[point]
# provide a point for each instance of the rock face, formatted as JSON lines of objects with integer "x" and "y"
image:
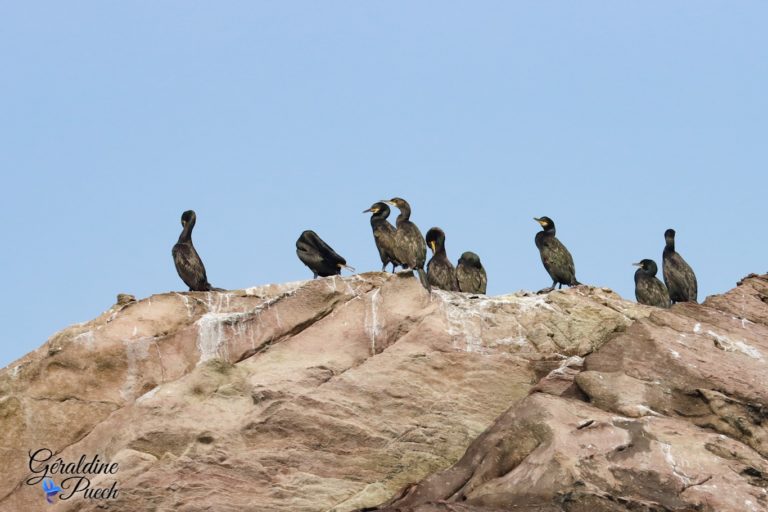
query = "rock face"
{"x": 675, "y": 418}
{"x": 340, "y": 393}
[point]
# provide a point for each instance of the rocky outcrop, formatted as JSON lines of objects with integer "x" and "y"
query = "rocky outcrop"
{"x": 674, "y": 418}
{"x": 337, "y": 394}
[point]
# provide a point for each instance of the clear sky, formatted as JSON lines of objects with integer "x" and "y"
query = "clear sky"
{"x": 616, "y": 119}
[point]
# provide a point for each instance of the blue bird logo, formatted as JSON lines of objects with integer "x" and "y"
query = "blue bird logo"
{"x": 51, "y": 489}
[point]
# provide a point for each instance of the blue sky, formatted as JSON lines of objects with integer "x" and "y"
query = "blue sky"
{"x": 616, "y": 119}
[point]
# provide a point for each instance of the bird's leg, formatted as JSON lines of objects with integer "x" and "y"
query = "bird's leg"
{"x": 559, "y": 286}
{"x": 384, "y": 267}
{"x": 314, "y": 276}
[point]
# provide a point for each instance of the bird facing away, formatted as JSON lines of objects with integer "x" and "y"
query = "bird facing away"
{"x": 188, "y": 263}
{"x": 410, "y": 247}
{"x": 318, "y": 255}
{"x": 648, "y": 289}
{"x": 470, "y": 274}
{"x": 383, "y": 234}
{"x": 678, "y": 275}
{"x": 440, "y": 271}
{"x": 556, "y": 259}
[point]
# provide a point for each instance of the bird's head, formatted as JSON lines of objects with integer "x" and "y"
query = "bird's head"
{"x": 435, "y": 237}
{"x": 470, "y": 258}
{"x": 187, "y": 217}
{"x": 648, "y": 266}
{"x": 377, "y": 207}
{"x": 545, "y": 222}
{"x": 398, "y": 202}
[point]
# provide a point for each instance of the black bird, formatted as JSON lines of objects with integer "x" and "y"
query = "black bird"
{"x": 410, "y": 247}
{"x": 678, "y": 275}
{"x": 471, "y": 274}
{"x": 318, "y": 255}
{"x": 383, "y": 234}
{"x": 556, "y": 259}
{"x": 440, "y": 271}
{"x": 648, "y": 289}
{"x": 188, "y": 263}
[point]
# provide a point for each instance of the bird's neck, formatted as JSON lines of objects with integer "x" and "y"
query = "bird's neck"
{"x": 378, "y": 218}
{"x": 405, "y": 215}
{"x": 186, "y": 233}
{"x": 670, "y": 247}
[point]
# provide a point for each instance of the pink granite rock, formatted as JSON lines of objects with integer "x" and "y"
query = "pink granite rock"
{"x": 337, "y": 393}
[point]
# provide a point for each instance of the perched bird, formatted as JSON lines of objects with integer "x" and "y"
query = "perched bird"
{"x": 440, "y": 271}
{"x": 648, "y": 289}
{"x": 678, "y": 275}
{"x": 318, "y": 256}
{"x": 188, "y": 263}
{"x": 471, "y": 274}
{"x": 556, "y": 259}
{"x": 410, "y": 247}
{"x": 383, "y": 234}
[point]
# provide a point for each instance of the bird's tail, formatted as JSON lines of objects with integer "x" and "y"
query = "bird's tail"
{"x": 423, "y": 279}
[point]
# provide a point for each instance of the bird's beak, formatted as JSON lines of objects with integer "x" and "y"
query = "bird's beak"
{"x": 541, "y": 222}
{"x": 389, "y": 203}
{"x": 342, "y": 265}
{"x": 368, "y": 210}
{"x": 432, "y": 244}
{"x": 637, "y": 264}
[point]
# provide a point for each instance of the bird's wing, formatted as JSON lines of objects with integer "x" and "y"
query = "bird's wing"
{"x": 690, "y": 280}
{"x": 384, "y": 237}
{"x": 411, "y": 246}
{"x": 327, "y": 252}
{"x": 310, "y": 257}
{"x": 471, "y": 280}
{"x": 442, "y": 276}
{"x": 660, "y": 292}
{"x": 568, "y": 259}
{"x": 483, "y": 280}
{"x": 189, "y": 266}
{"x": 561, "y": 259}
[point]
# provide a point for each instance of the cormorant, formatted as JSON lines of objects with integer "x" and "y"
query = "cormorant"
{"x": 383, "y": 234}
{"x": 678, "y": 275}
{"x": 318, "y": 256}
{"x": 648, "y": 289}
{"x": 440, "y": 271}
{"x": 556, "y": 259}
{"x": 410, "y": 247}
{"x": 188, "y": 263}
{"x": 471, "y": 274}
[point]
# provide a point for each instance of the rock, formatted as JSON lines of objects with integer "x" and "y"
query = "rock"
{"x": 673, "y": 418}
{"x": 339, "y": 394}
{"x": 330, "y": 394}
{"x": 124, "y": 299}
{"x": 558, "y": 454}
